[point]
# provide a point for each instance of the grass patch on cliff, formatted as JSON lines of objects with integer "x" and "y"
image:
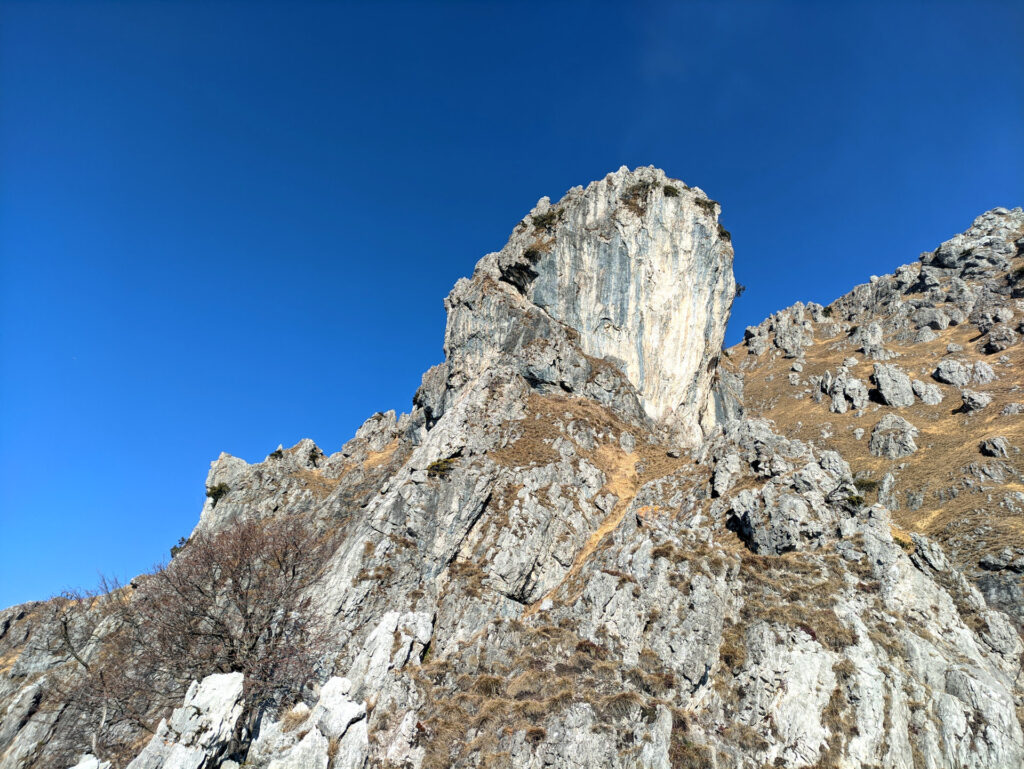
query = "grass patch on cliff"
{"x": 777, "y": 589}
{"x": 218, "y": 492}
{"x": 637, "y": 196}
{"x": 441, "y": 468}
{"x": 707, "y": 204}
{"x": 478, "y": 706}
{"x": 546, "y": 220}
{"x": 315, "y": 481}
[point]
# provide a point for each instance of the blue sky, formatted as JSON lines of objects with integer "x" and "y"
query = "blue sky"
{"x": 225, "y": 226}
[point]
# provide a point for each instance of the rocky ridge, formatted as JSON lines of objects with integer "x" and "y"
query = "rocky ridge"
{"x": 941, "y": 413}
{"x": 579, "y": 550}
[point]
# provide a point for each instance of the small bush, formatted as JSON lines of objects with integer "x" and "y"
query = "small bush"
{"x": 175, "y": 549}
{"x": 724, "y": 234}
{"x": 277, "y": 454}
{"x": 844, "y": 670}
{"x": 707, "y": 204}
{"x": 441, "y": 468}
{"x": 855, "y": 499}
{"x": 866, "y": 485}
{"x": 685, "y": 754}
{"x": 740, "y": 289}
{"x": 488, "y": 686}
{"x": 827, "y": 312}
{"x": 591, "y": 649}
{"x": 733, "y": 651}
{"x": 536, "y": 734}
{"x": 546, "y": 220}
{"x": 671, "y": 191}
{"x": 834, "y": 635}
{"x": 216, "y": 493}
{"x": 635, "y": 197}
{"x": 618, "y": 706}
{"x": 1018, "y": 274}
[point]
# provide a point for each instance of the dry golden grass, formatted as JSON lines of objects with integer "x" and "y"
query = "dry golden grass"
{"x": 777, "y": 588}
{"x": 466, "y": 715}
{"x": 378, "y": 458}
{"x": 531, "y": 438}
{"x": 315, "y": 481}
{"x": 293, "y": 719}
{"x": 948, "y": 438}
{"x": 7, "y": 661}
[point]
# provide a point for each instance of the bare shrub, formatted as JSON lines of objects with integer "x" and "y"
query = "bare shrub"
{"x": 231, "y": 601}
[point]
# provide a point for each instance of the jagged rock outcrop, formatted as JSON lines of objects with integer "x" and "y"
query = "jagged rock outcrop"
{"x": 197, "y": 734}
{"x": 893, "y": 437}
{"x": 846, "y": 391}
{"x": 637, "y": 265}
{"x": 581, "y": 548}
{"x": 894, "y": 386}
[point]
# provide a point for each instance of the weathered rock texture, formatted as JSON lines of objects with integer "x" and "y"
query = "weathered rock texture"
{"x": 636, "y": 264}
{"x": 532, "y": 573}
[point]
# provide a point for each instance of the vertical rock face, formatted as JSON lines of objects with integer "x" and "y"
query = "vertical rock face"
{"x": 638, "y": 266}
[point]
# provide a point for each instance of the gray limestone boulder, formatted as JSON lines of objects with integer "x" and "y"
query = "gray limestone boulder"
{"x": 844, "y": 390}
{"x": 995, "y": 447}
{"x": 982, "y": 373}
{"x": 893, "y": 437}
{"x": 871, "y": 340}
{"x": 792, "y": 335}
{"x": 756, "y": 340}
{"x": 332, "y": 733}
{"x": 930, "y": 317}
{"x": 727, "y": 470}
{"x": 928, "y": 393}
{"x": 894, "y": 387}
{"x": 1000, "y": 337}
{"x": 953, "y": 372}
{"x": 975, "y": 401}
{"x": 856, "y": 392}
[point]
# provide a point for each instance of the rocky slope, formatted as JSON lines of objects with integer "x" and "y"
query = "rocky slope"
{"x": 915, "y": 378}
{"x": 578, "y": 550}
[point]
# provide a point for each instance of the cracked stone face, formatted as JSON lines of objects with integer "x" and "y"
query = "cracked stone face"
{"x": 639, "y": 267}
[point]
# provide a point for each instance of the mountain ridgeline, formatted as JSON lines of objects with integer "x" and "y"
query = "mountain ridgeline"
{"x": 598, "y": 539}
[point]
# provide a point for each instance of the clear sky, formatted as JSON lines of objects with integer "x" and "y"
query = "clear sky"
{"x": 225, "y": 226}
